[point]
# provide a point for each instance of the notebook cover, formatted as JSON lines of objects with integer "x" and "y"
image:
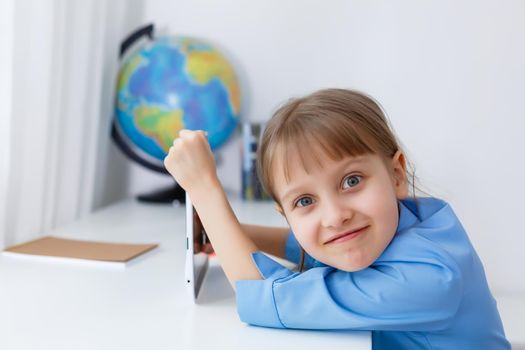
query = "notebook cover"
{"x": 79, "y": 249}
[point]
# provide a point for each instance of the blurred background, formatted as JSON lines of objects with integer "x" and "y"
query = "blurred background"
{"x": 450, "y": 76}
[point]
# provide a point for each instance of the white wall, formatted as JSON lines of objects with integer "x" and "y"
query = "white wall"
{"x": 449, "y": 74}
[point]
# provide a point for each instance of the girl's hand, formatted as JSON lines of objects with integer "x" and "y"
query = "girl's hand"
{"x": 190, "y": 161}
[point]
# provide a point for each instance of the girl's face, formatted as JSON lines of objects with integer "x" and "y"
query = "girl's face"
{"x": 344, "y": 213}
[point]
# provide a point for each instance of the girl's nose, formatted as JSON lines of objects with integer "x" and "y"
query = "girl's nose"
{"x": 335, "y": 214}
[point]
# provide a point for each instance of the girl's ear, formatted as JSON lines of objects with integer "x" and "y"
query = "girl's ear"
{"x": 399, "y": 168}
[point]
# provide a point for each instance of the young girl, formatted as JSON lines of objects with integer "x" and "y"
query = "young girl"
{"x": 376, "y": 259}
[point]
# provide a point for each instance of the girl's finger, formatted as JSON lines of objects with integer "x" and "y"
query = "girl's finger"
{"x": 184, "y": 132}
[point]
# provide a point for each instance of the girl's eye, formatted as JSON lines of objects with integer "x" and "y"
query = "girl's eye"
{"x": 304, "y": 202}
{"x": 351, "y": 181}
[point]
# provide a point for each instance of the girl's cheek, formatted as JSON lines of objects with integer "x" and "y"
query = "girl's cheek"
{"x": 305, "y": 234}
{"x": 296, "y": 228}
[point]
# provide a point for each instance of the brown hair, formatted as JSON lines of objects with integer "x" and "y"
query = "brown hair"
{"x": 340, "y": 122}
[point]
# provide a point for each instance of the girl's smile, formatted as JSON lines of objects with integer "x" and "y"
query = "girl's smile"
{"x": 346, "y": 236}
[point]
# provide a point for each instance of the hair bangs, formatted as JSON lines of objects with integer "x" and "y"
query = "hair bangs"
{"x": 312, "y": 140}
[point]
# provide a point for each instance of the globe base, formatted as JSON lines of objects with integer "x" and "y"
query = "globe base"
{"x": 165, "y": 196}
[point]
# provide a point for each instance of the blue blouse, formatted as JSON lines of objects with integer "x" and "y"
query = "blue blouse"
{"x": 427, "y": 290}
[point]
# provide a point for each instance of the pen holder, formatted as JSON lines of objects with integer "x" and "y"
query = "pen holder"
{"x": 251, "y": 186}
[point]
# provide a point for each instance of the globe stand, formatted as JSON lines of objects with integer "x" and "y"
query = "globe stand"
{"x": 166, "y": 195}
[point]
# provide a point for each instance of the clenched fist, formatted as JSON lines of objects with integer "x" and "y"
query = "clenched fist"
{"x": 190, "y": 161}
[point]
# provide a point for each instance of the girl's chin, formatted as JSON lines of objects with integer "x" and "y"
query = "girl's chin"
{"x": 353, "y": 268}
{"x": 348, "y": 261}
{"x": 354, "y": 265}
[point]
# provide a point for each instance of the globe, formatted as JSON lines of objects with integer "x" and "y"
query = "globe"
{"x": 174, "y": 83}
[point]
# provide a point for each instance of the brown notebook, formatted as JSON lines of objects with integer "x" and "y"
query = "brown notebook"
{"x": 49, "y": 246}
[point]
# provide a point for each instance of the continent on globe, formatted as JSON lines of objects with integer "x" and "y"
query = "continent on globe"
{"x": 159, "y": 125}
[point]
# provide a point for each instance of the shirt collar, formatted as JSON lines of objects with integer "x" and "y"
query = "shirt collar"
{"x": 407, "y": 214}
{"x": 418, "y": 210}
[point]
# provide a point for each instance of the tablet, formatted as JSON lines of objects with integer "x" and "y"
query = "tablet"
{"x": 196, "y": 261}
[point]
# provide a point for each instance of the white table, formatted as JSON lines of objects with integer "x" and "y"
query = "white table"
{"x": 53, "y": 305}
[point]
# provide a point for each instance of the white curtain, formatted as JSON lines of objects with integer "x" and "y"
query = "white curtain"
{"x": 6, "y": 62}
{"x": 54, "y": 141}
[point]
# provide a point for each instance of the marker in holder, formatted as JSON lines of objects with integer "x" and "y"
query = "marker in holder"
{"x": 251, "y": 186}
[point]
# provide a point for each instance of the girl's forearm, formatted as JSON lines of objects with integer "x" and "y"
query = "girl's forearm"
{"x": 232, "y": 246}
{"x": 271, "y": 240}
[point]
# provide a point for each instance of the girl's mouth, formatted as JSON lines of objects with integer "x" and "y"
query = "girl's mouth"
{"x": 347, "y": 236}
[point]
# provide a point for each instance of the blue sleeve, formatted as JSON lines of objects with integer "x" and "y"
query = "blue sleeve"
{"x": 293, "y": 252}
{"x": 417, "y": 294}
